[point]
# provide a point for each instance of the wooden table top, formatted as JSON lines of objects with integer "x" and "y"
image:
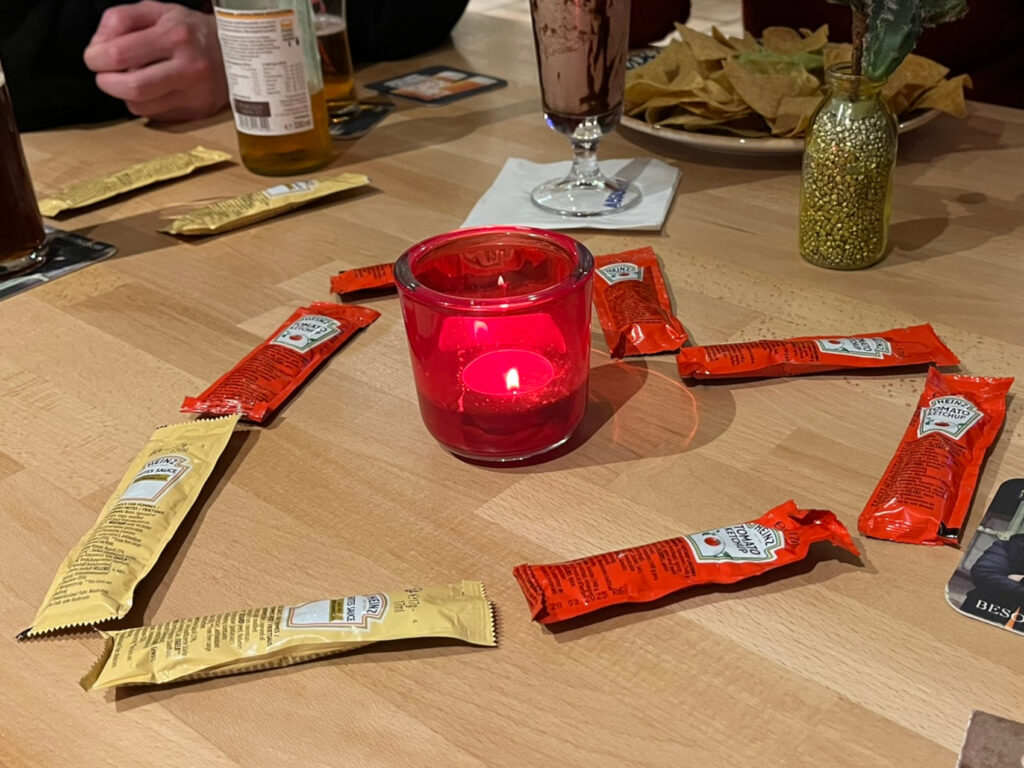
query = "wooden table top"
{"x": 832, "y": 664}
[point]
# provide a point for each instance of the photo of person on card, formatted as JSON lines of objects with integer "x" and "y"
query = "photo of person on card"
{"x": 998, "y": 578}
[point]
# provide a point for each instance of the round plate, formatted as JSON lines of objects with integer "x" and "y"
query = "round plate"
{"x": 737, "y": 145}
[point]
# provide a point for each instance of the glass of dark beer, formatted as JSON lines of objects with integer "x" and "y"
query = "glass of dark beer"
{"x": 22, "y": 240}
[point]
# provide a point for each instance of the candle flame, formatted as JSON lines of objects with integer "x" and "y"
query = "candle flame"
{"x": 501, "y": 280}
{"x": 481, "y": 333}
{"x": 512, "y": 380}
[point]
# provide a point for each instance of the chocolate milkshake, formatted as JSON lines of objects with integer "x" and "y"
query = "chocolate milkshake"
{"x": 581, "y": 54}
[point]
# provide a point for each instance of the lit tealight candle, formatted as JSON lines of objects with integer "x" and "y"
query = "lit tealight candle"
{"x": 508, "y": 372}
{"x": 498, "y": 321}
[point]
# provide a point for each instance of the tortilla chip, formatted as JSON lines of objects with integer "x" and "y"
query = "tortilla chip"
{"x": 721, "y": 79}
{"x": 727, "y": 84}
{"x": 747, "y": 43}
{"x": 721, "y": 37}
{"x": 767, "y": 62}
{"x": 658, "y": 109}
{"x": 675, "y": 58}
{"x": 720, "y": 97}
{"x": 750, "y": 125}
{"x": 794, "y": 116}
{"x": 738, "y": 44}
{"x": 765, "y": 92}
{"x": 788, "y": 42}
{"x": 699, "y": 106}
{"x": 655, "y": 113}
{"x": 704, "y": 47}
{"x": 837, "y": 53}
{"x": 947, "y": 96}
{"x": 639, "y": 92}
{"x": 911, "y": 79}
{"x": 917, "y": 69}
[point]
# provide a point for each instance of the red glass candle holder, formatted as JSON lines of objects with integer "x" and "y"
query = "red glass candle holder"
{"x": 498, "y": 320}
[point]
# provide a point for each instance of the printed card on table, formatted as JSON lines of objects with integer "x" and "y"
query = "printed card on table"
{"x": 435, "y": 86}
{"x": 988, "y": 584}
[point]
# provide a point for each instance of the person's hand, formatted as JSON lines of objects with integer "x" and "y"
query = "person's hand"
{"x": 1018, "y": 577}
{"x": 162, "y": 59}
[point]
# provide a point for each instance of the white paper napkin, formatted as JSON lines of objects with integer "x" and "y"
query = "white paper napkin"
{"x": 508, "y": 200}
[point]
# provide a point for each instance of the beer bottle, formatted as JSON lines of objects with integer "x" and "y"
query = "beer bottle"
{"x": 276, "y": 87}
{"x": 22, "y": 239}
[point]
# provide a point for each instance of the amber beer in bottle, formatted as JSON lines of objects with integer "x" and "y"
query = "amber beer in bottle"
{"x": 277, "y": 91}
{"x": 22, "y": 240}
{"x": 335, "y": 54}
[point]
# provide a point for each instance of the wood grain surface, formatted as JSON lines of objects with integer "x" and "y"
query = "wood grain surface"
{"x": 836, "y": 662}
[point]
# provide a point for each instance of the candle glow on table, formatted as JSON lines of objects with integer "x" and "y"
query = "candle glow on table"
{"x": 498, "y": 321}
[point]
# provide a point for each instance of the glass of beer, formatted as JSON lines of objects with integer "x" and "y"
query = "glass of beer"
{"x": 335, "y": 53}
{"x": 22, "y": 240}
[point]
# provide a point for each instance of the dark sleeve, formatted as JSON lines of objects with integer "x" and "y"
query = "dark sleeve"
{"x": 382, "y": 30}
{"x": 993, "y": 568}
{"x": 41, "y": 46}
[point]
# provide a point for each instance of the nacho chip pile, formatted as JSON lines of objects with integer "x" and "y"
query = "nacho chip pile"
{"x": 769, "y": 87}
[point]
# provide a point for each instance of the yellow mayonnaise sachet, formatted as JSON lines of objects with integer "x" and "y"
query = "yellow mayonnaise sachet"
{"x": 246, "y": 209}
{"x": 265, "y": 638}
{"x": 133, "y": 177}
{"x": 96, "y": 581}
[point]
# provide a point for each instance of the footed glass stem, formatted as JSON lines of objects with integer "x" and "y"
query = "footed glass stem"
{"x": 586, "y": 191}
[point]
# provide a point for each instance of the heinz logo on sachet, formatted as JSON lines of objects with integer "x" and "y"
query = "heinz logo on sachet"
{"x": 155, "y": 477}
{"x": 616, "y": 273}
{"x": 737, "y": 542}
{"x": 306, "y": 333}
{"x": 951, "y": 416}
{"x": 875, "y": 347}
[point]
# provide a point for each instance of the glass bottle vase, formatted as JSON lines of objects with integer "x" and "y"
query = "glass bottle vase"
{"x": 846, "y": 184}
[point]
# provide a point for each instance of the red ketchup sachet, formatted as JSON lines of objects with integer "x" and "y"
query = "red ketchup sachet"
{"x": 779, "y": 537}
{"x": 263, "y": 379}
{"x": 926, "y": 491}
{"x": 916, "y": 345}
{"x": 379, "y": 277}
{"x": 633, "y": 304}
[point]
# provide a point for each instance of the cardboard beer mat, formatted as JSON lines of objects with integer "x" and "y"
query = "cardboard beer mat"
{"x": 992, "y": 742}
{"x": 435, "y": 86}
{"x": 988, "y": 584}
{"x": 66, "y": 252}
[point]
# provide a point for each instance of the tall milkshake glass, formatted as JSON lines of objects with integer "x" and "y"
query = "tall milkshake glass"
{"x": 581, "y": 54}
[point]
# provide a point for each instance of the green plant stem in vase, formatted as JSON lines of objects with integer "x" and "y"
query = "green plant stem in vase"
{"x": 850, "y": 150}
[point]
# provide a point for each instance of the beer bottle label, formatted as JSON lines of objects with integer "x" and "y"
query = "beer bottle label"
{"x": 266, "y": 71}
